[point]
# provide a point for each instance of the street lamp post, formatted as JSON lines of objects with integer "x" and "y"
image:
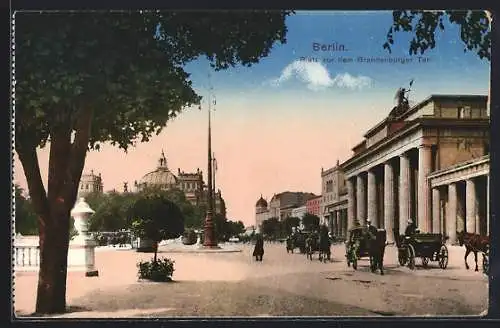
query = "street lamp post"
{"x": 210, "y": 240}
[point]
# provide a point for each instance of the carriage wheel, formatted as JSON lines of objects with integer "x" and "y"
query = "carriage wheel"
{"x": 411, "y": 257}
{"x": 443, "y": 257}
{"x": 402, "y": 257}
{"x": 425, "y": 261}
{"x": 486, "y": 265}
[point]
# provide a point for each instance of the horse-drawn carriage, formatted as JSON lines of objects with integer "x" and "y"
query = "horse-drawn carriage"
{"x": 427, "y": 246}
{"x": 296, "y": 240}
{"x": 363, "y": 244}
{"x": 318, "y": 243}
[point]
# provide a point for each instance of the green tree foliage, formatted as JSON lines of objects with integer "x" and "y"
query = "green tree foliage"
{"x": 26, "y": 222}
{"x": 220, "y": 224}
{"x": 271, "y": 227}
{"x": 474, "y": 26}
{"x": 156, "y": 218}
{"x": 289, "y": 223}
{"x": 194, "y": 216}
{"x": 311, "y": 222}
{"x": 236, "y": 228}
{"x": 83, "y": 79}
{"x": 110, "y": 211}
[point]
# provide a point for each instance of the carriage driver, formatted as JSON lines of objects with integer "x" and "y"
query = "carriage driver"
{"x": 372, "y": 231}
{"x": 411, "y": 228}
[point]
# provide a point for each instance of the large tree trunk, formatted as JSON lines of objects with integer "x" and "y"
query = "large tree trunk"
{"x": 54, "y": 241}
{"x": 66, "y": 162}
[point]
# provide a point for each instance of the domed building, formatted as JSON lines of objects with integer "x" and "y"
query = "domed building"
{"x": 262, "y": 212}
{"x": 191, "y": 183}
{"x": 89, "y": 183}
{"x": 160, "y": 178}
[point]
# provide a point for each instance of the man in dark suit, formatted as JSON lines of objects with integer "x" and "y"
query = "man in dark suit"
{"x": 411, "y": 228}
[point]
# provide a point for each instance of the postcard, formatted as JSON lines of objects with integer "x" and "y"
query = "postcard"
{"x": 251, "y": 164}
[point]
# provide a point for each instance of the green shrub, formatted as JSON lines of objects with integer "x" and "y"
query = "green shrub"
{"x": 159, "y": 270}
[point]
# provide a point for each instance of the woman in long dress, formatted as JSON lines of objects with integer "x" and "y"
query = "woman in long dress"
{"x": 258, "y": 250}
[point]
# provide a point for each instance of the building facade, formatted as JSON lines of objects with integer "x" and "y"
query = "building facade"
{"x": 90, "y": 183}
{"x": 190, "y": 183}
{"x": 280, "y": 206}
{"x": 262, "y": 213}
{"x": 300, "y": 212}
{"x": 334, "y": 200}
{"x": 426, "y": 163}
{"x": 313, "y": 206}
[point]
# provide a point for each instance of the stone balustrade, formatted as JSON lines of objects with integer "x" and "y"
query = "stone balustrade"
{"x": 26, "y": 254}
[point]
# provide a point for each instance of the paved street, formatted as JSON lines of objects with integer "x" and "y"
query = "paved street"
{"x": 232, "y": 284}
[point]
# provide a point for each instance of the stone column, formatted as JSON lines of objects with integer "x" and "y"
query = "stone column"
{"x": 389, "y": 201}
{"x": 470, "y": 206}
{"x": 337, "y": 223}
{"x": 372, "y": 198}
{"x": 404, "y": 192}
{"x": 436, "y": 211}
{"x": 341, "y": 223}
{"x": 488, "y": 204}
{"x": 360, "y": 200}
{"x": 351, "y": 201}
{"x": 451, "y": 214}
{"x": 423, "y": 200}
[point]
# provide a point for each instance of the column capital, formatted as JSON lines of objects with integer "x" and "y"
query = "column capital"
{"x": 425, "y": 145}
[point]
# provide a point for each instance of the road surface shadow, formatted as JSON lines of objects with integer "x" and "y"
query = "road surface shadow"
{"x": 69, "y": 309}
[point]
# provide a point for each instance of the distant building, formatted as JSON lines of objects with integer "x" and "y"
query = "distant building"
{"x": 300, "y": 212}
{"x": 262, "y": 213}
{"x": 313, "y": 206}
{"x": 90, "y": 183}
{"x": 280, "y": 206}
{"x": 334, "y": 200}
{"x": 191, "y": 183}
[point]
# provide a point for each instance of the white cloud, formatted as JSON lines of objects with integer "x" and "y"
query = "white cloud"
{"x": 317, "y": 77}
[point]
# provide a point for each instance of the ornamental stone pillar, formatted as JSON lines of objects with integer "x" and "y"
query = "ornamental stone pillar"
{"x": 81, "y": 252}
{"x": 389, "y": 201}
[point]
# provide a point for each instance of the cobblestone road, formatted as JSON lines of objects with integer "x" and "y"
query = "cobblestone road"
{"x": 232, "y": 284}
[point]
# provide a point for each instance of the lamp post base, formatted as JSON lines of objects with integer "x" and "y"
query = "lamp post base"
{"x": 209, "y": 233}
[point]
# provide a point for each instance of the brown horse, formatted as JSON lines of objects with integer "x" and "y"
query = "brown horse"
{"x": 473, "y": 243}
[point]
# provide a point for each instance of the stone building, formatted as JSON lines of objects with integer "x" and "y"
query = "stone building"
{"x": 280, "y": 206}
{"x": 90, "y": 183}
{"x": 428, "y": 162}
{"x": 334, "y": 200}
{"x": 191, "y": 183}
{"x": 300, "y": 212}
{"x": 313, "y": 206}
{"x": 261, "y": 212}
